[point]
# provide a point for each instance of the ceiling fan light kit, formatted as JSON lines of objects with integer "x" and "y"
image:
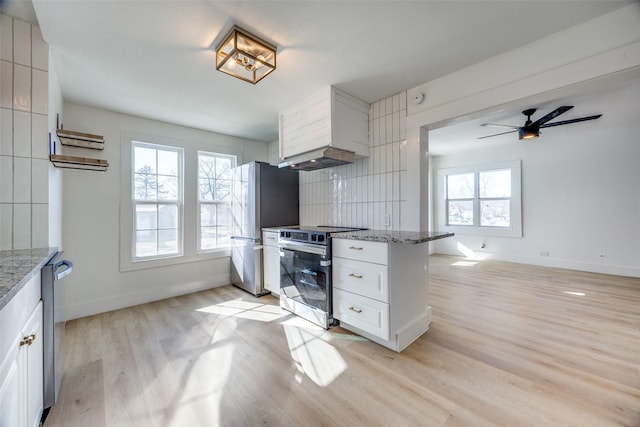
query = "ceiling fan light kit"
{"x": 245, "y": 56}
{"x": 531, "y": 130}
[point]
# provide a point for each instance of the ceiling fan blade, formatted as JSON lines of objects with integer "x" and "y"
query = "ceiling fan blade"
{"x": 566, "y": 122}
{"x": 498, "y": 125}
{"x": 496, "y": 134}
{"x": 552, "y": 115}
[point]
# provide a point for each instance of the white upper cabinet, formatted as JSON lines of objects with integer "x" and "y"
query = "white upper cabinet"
{"x": 330, "y": 118}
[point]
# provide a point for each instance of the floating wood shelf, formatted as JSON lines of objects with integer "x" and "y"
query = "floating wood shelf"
{"x": 83, "y": 163}
{"x": 79, "y": 139}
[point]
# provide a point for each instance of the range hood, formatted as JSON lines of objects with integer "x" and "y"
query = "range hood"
{"x": 326, "y": 157}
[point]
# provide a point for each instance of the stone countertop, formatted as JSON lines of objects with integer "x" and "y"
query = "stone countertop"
{"x": 411, "y": 237}
{"x": 17, "y": 267}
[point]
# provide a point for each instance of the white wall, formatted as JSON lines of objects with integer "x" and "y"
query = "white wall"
{"x": 580, "y": 197}
{"x": 91, "y": 218}
{"x": 55, "y": 175}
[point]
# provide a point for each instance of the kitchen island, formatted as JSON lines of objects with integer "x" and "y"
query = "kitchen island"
{"x": 380, "y": 284}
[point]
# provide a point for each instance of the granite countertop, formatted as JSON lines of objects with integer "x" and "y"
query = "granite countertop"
{"x": 17, "y": 267}
{"x": 411, "y": 237}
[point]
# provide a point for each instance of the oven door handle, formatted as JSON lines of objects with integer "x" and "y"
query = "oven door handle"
{"x": 303, "y": 247}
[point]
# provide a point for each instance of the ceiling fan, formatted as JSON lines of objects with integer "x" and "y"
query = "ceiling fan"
{"x": 531, "y": 130}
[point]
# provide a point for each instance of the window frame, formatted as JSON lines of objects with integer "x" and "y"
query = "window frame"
{"x": 200, "y": 202}
{"x": 515, "y": 208}
{"x": 179, "y": 202}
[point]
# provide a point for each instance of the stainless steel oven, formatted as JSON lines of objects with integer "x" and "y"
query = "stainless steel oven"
{"x": 305, "y": 273}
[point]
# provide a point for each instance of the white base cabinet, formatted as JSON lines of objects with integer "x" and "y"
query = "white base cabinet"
{"x": 271, "y": 261}
{"x": 21, "y": 358}
{"x": 380, "y": 290}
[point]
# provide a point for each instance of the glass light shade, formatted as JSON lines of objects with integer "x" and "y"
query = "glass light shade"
{"x": 245, "y": 56}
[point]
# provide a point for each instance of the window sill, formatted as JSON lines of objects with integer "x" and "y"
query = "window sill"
{"x": 176, "y": 260}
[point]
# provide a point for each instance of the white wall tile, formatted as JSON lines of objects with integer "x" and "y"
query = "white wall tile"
{"x": 382, "y": 109}
{"x": 6, "y": 38}
{"x": 40, "y": 95}
{"x": 6, "y": 225}
{"x": 21, "y": 42}
{"x": 403, "y": 101}
{"x": 403, "y": 185}
{"x": 396, "y": 102}
{"x": 396, "y": 156}
{"x": 21, "y": 88}
{"x": 40, "y": 225}
{"x": 403, "y": 155}
{"x": 6, "y": 84}
{"x": 396, "y": 126}
{"x": 403, "y": 125}
{"x": 22, "y": 226}
{"x": 21, "y": 180}
{"x": 388, "y": 128}
{"x": 389, "y": 149}
{"x": 6, "y": 132}
{"x": 389, "y": 105}
{"x": 404, "y": 215}
{"x": 395, "y": 216}
{"x": 39, "y": 50}
{"x": 6, "y": 179}
{"x": 39, "y": 181}
{"x": 388, "y": 177}
{"x": 39, "y": 136}
{"x": 21, "y": 134}
{"x": 396, "y": 186}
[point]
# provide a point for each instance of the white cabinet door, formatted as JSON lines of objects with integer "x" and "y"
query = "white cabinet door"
{"x": 11, "y": 414}
{"x": 33, "y": 367}
{"x": 271, "y": 261}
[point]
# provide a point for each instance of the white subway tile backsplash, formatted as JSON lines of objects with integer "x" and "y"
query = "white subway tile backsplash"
{"x": 396, "y": 186}
{"x": 6, "y": 84}
{"x": 389, "y": 149}
{"x": 6, "y": 38}
{"x": 39, "y": 136}
{"x": 403, "y": 126}
{"x": 39, "y": 181}
{"x": 6, "y": 179}
{"x": 6, "y": 132}
{"x": 21, "y": 134}
{"x": 388, "y": 177}
{"x": 6, "y": 226}
{"x": 39, "y": 50}
{"x": 403, "y": 101}
{"x": 396, "y": 156}
{"x": 403, "y": 155}
{"x": 389, "y": 128}
{"x": 21, "y": 180}
{"x": 403, "y": 185}
{"x": 21, "y": 226}
{"x": 21, "y": 42}
{"x": 382, "y": 108}
{"x": 39, "y": 225}
{"x": 21, "y": 88}
{"x": 396, "y": 126}
{"x": 396, "y": 102}
{"x": 389, "y": 105}
{"x": 40, "y": 95}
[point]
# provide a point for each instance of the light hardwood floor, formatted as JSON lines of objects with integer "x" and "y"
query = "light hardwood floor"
{"x": 509, "y": 345}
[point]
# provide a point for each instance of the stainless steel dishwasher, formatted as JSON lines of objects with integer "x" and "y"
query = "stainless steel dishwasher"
{"x": 53, "y": 323}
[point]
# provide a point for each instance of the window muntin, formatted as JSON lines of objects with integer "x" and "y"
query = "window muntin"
{"x": 479, "y": 199}
{"x": 157, "y": 201}
{"x": 214, "y": 199}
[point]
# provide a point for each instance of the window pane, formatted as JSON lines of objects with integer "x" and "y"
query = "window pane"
{"x": 167, "y": 241}
{"x": 460, "y": 212}
{"x": 146, "y": 243}
{"x": 146, "y": 217}
{"x": 495, "y": 183}
{"x": 145, "y": 186}
{"x": 208, "y": 240}
{"x": 223, "y": 190}
{"x": 223, "y": 168}
{"x": 167, "y": 187}
{"x": 144, "y": 160}
{"x": 495, "y": 213}
{"x": 460, "y": 186}
{"x": 168, "y": 216}
{"x": 208, "y": 215}
{"x": 168, "y": 162}
{"x": 224, "y": 215}
{"x": 206, "y": 189}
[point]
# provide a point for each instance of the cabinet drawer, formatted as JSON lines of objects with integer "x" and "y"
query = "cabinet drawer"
{"x": 360, "y": 250}
{"x": 270, "y": 238}
{"x": 361, "y": 312}
{"x": 363, "y": 278}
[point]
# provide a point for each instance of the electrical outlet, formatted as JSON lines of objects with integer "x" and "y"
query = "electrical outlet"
{"x": 544, "y": 253}
{"x": 387, "y": 220}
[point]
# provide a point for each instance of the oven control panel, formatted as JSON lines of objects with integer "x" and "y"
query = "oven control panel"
{"x": 318, "y": 238}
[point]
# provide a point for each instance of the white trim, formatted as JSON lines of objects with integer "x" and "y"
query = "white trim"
{"x": 516, "y": 201}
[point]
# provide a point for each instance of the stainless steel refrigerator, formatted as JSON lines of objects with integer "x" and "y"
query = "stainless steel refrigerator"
{"x": 262, "y": 196}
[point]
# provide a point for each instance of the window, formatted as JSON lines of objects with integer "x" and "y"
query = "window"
{"x": 214, "y": 198}
{"x": 485, "y": 199}
{"x": 157, "y": 201}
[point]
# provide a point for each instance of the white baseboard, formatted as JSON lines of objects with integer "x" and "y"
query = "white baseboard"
{"x": 102, "y": 305}
{"x": 616, "y": 270}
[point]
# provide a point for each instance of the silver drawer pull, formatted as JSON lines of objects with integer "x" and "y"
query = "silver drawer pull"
{"x": 355, "y": 248}
{"x": 357, "y": 276}
{"x": 357, "y": 310}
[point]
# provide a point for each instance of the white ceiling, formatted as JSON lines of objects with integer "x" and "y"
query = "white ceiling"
{"x": 155, "y": 59}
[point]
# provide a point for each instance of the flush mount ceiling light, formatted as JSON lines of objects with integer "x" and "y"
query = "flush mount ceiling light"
{"x": 245, "y": 56}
